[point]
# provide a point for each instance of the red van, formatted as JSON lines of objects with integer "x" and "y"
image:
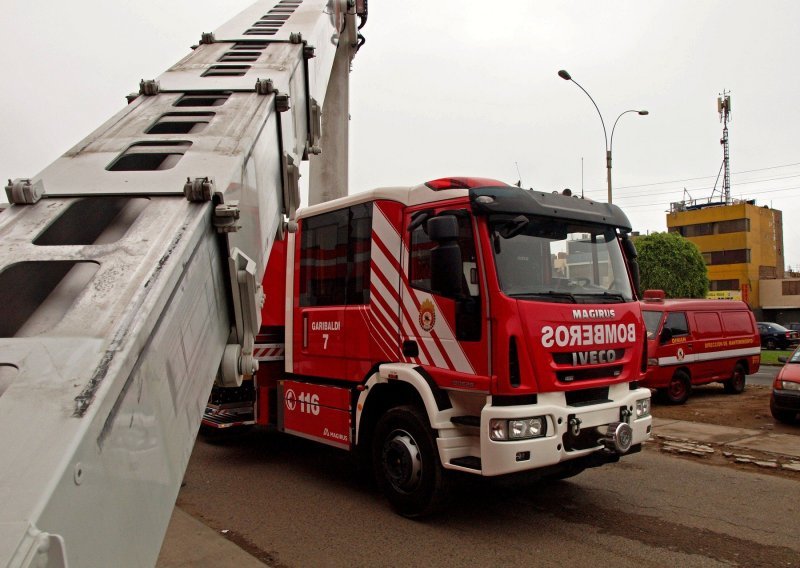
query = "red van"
{"x": 694, "y": 342}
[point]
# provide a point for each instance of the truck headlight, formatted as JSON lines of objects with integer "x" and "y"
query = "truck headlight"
{"x": 643, "y": 408}
{"x": 501, "y": 430}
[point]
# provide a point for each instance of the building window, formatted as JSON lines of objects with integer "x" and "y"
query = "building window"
{"x": 733, "y": 226}
{"x": 718, "y": 285}
{"x": 767, "y": 272}
{"x": 790, "y": 287}
{"x": 335, "y": 257}
{"x": 715, "y": 228}
{"x": 738, "y": 256}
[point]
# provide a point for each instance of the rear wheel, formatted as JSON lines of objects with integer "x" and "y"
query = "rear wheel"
{"x": 677, "y": 392}
{"x": 406, "y": 462}
{"x": 735, "y": 385}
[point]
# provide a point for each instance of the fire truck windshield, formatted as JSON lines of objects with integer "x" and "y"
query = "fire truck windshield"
{"x": 557, "y": 260}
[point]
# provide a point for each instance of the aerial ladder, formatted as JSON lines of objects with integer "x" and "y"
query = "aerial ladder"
{"x": 131, "y": 271}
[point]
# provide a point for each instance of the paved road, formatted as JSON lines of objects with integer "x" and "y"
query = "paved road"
{"x": 294, "y": 503}
{"x": 765, "y": 376}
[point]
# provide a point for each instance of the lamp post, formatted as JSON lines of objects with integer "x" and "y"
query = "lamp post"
{"x": 608, "y": 144}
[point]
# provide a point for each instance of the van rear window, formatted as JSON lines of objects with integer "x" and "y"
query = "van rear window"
{"x": 737, "y": 323}
{"x": 707, "y": 325}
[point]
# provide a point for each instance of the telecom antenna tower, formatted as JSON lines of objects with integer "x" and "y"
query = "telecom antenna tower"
{"x": 724, "y": 109}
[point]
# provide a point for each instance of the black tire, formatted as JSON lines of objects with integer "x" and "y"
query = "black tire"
{"x": 736, "y": 384}
{"x": 785, "y": 416}
{"x": 770, "y": 344}
{"x": 677, "y": 392}
{"x": 406, "y": 462}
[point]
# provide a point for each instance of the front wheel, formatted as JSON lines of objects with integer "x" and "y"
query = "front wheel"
{"x": 406, "y": 462}
{"x": 735, "y": 385}
{"x": 677, "y": 392}
{"x": 771, "y": 344}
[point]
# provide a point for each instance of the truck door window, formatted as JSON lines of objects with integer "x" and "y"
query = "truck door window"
{"x": 335, "y": 257}
{"x": 676, "y": 323}
{"x": 651, "y": 321}
{"x": 420, "y": 260}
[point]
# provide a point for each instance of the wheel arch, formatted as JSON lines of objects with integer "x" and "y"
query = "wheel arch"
{"x": 744, "y": 363}
{"x": 683, "y": 368}
{"x": 393, "y": 385}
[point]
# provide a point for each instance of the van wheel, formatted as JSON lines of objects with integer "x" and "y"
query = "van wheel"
{"x": 406, "y": 462}
{"x": 677, "y": 392}
{"x": 735, "y": 385}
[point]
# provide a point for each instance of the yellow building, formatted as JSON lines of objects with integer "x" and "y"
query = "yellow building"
{"x": 741, "y": 244}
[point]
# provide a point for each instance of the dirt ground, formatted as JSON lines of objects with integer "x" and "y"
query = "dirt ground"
{"x": 710, "y": 404}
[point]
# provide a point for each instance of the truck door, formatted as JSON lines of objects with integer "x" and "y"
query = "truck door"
{"x": 332, "y": 294}
{"x": 680, "y": 344}
{"x": 445, "y": 330}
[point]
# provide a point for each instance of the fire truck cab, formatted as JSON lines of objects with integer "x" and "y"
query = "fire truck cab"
{"x": 462, "y": 324}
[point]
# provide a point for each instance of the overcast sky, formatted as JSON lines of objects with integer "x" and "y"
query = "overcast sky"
{"x": 452, "y": 87}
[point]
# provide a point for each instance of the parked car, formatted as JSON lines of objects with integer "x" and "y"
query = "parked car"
{"x": 775, "y": 336}
{"x": 784, "y": 403}
{"x": 696, "y": 342}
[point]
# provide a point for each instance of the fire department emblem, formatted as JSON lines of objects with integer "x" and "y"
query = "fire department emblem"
{"x": 427, "y": 315}
{"x": 680, "y": 354}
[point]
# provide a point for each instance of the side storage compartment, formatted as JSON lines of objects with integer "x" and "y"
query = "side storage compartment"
{"x": 317, "y": 412}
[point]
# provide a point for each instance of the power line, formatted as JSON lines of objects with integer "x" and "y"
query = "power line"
{"x": 705, "y": 188}
{"x": 667, "y": 204}
{"x": 707, "y": 177}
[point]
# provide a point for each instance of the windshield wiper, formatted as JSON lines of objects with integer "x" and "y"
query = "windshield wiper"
{"x": 606, "y": 296}
{"x": 558, "y": 296}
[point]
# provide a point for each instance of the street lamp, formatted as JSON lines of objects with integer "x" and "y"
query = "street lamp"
{"x": 567, "y": 77}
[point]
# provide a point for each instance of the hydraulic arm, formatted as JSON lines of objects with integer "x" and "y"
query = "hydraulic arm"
{"x": 130, "y": 270}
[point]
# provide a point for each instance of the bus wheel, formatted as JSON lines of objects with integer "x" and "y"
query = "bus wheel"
{"x": 735, "y": 385}
{"x": 406, "y": 462}
{"x": 677, "y": 392}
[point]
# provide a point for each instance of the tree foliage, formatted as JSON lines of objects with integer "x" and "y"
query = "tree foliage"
{"x": 669, "y": 262}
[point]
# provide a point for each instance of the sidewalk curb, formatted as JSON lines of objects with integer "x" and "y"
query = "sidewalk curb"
{"x": 775, "y": 451}
{"x": 190, "y": 543}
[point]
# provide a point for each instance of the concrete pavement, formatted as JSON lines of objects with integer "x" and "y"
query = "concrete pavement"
{"x": 737, "y": 444}
{"x": 191, "y": 543}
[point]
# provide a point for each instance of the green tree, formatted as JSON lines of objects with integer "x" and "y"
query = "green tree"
{"x": 669, "y": 262}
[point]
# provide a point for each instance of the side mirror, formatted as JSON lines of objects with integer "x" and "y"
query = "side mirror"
{"x": 782, "y": 359}
{"x": 666, "y": 335}
{"x": 446, "y": 268}
{"x": 443, "y": 228}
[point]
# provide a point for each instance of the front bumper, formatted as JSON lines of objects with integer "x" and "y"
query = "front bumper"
{"x": 786, "y": 400}
{"x": 560, "y": 444}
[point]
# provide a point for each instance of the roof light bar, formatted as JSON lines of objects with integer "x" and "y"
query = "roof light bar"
{"x": 463, "y": 183}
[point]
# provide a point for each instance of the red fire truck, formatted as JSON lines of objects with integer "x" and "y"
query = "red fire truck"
{"x": 462, "y": 324}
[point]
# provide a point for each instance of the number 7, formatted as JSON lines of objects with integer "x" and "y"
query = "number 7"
{"x": 325, "y": 340}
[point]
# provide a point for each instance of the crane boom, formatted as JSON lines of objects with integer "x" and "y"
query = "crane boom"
{"x": 131, "y": 271}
